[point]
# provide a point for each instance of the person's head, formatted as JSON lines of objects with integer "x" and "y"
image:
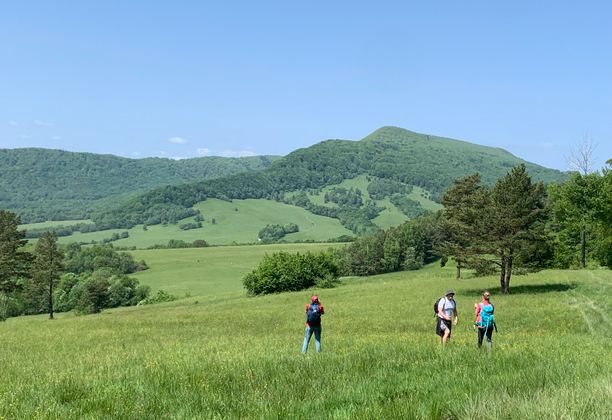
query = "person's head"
{"x": 450, "y": 294}
{"x": 314, "y": 299}
{"x": 486, "y": 295}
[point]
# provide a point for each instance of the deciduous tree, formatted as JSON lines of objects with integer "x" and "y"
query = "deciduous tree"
{"x": 575, "y": 205}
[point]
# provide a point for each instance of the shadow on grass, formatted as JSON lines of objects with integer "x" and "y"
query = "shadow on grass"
{"x": 526, "y": 289}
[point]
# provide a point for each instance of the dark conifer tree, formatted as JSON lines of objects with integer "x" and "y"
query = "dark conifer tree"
{"x": 46, "y": 268}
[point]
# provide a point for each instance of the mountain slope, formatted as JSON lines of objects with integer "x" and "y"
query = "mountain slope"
{"x": 43, "y": 184}
{"x": 389, "y": 153}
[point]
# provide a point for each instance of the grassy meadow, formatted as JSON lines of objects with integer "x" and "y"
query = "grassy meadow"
{"x": 51, "y": 224}
{"x": 225, "y": 355}
{"x": 236, "y": 222}
{"x": 391, "y": 215}
{"x": 212, "y": 271}
{"x": 239, "y": 221}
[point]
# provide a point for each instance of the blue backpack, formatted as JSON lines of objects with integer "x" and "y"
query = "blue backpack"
{"x": 486, "y": 316}
{"x": 313, "y": 315}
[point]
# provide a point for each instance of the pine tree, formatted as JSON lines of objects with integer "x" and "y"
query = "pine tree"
{"x": 463, "y": 203}
{"x": 14, "y": 263}
{"x": 517, "y": 209}
{"x": 46, "y": 268}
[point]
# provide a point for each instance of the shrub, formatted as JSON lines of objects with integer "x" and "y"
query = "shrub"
{"x": 273, "y": 233}
{"x": 126, "y": 291}
{"x": 282, "y": 272}
{"x": 9, "y": 306}
{"x": 328, "y": 282}
{"x": 94, "y": 294}
{"x": 160, "y": 296}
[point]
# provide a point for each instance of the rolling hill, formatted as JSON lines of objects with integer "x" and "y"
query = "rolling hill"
{"x": 353, "y": 187}
{"x": 43, "y": 184}
{"x": 390, "y": 154}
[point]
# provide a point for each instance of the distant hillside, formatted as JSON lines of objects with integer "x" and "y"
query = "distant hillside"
{"x": 393, "y": 155}
{"x": 43, "y": 184}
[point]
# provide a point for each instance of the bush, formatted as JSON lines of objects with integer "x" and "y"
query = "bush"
{"x": 281, "y": 272}
{"x": 273, "y": 233}
{"x": 159, "y": 297}
{"x": 328, "y": 282}
{"x": 9, "y": 306}
{"x": 126, "y": 291}
{"x": 94, "y": 295}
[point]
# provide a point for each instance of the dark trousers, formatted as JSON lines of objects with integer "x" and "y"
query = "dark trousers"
{"x": 482, "y": 332}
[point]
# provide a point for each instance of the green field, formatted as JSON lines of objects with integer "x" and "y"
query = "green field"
{"x": 239, "y": 221}
{"x": 225, "y": 355}
{"x": 391, "y": 215}
{"x": 236, "y": 222}
{"x": 213, "y": 271}
{"x": 51, "y": 224}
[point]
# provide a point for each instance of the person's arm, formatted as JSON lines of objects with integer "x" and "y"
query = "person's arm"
{"x": 322, "y": 309}
{"x": 476, "y": 312}
{"x": 455, "y": 315}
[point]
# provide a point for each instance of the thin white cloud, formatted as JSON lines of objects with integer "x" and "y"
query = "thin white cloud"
{"x": 24, "y": 137}
{"x": 203, "y": 151}
{"x": 56, "y": 138}
{"x": 177, "y": 140}
{"x": 163, "y": 152}
{"x": 13, "y": 123}
{"x": 548, "y": 145}
{"x": 41, "y": 123}
{"x": 136, "y": 154}
{"x": 238, "y": 153}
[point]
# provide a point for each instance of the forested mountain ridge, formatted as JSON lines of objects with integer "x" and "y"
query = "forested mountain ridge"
{"x": 391, "y": 153}
{"x": 44, "y": 184}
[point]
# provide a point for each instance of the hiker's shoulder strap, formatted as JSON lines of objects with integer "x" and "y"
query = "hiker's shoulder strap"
{"x": 441, "y": 303}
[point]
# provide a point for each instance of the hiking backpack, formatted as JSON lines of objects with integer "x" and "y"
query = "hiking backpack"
{"x": 313, "y": 315}
{"x": 486, "y": 316}
{"x": 436, "y": 306}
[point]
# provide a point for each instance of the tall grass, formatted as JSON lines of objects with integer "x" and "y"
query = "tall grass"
{"x": 231, "y": 356}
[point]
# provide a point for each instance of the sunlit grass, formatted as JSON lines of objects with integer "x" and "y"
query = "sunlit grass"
{"x": 229, "y": 356}
{"x": 210, "y": 271}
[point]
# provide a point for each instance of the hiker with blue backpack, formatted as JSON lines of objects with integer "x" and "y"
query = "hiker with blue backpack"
{"x": 446, "y": 310}
{"x": 485, "y": 320}
{"x": 314, "y": 310}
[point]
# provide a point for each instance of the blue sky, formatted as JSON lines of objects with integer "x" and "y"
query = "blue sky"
{"x": 193, "y": 78}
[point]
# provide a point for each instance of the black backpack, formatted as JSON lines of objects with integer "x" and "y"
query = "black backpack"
{"x": 435, "y": 307}
{"x": 313, "y": 315}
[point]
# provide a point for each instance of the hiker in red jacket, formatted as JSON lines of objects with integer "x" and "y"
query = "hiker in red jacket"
{"x": 314, "y": 310}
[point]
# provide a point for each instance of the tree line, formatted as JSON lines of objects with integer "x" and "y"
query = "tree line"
{"x": 52, "y": 278}
{"x": 42, "y": 184}
{"x": 516, "y": 225}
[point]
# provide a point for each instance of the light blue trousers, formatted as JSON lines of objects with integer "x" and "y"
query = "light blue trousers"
{"x": 308, "y": 334}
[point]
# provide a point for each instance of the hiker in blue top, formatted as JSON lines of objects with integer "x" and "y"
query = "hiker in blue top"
{"x": 484, "y": 319}
{"x": 314, "y": 310}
